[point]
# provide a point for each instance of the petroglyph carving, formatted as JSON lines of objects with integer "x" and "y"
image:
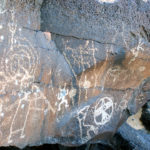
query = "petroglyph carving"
{"x": 135, "y": 51}
{"x": 17, "y": 67}
{"x": 72, "y": 92}
{"x": 62, "y": 100}
{"x": 19, "y": 62}
{"x": 29, "y": 99}
{"x": 101, "y": 114}
{"x": 123, "y": 104}
{"x": 81, "y": 116}
{"x": 103, "y": 111}
{"x": 59, "y": 74}
{"x": 86, "y": 83}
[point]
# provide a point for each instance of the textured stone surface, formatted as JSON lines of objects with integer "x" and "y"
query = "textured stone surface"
{"x": 138, "y": 138}
{"x": 145, "y": 117}
{"x": 71, "y": 72}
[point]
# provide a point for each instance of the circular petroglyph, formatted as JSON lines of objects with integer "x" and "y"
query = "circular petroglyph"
{"x": 20, "y": 62}
{"x": 142, "y": 68}
{"x": 103, "y": 110}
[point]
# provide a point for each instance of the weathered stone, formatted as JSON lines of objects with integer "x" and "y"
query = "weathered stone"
{"x": 71, "y": 72}
{"x": 135, "y": 133}
{"x": 145, "y": 117}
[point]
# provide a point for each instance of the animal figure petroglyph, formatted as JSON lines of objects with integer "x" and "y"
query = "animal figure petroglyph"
{"x": 102, "y": 113}
{"x": 104, "y": 110}
{"x": 136, "y": 50}
{"x": 19, "y": 64}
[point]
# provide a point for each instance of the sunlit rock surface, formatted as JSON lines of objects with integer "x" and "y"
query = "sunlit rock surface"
{"x": 136, "y": 129}
{"x": 71, "y": 72}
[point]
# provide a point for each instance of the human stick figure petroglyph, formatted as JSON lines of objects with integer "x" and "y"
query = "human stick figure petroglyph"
{"x": 62, "y": 98}
{"x": 81, "y": 116}
{"x": 20, "y": 61}
{"x": 136, "y": 50}
{"x": 19, "y": 64}
{"x": 17, "y": 68}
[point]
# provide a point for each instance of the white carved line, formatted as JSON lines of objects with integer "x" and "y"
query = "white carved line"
{"x": 135, "y": 51}
{"x": 82, "y": 113}
{"x": 62, "y": 99}
{"x": 100, "y": 110}
{"x": 20, "y": 60}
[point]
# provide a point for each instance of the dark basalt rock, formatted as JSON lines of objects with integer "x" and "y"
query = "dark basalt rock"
{"x": 135, "y": 132}
{"x": 137, "y": 139}
{"x": 117, "y": 143}
{"x": 71, "y": 71}
{"x": 145, "y": 117}
{"x": 120, "y": 143}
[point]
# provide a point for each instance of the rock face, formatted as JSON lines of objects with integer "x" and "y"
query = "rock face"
{"x": 135, "y": 132}
{"x": 71, "y": 72}
{"x": 145, "y": 117}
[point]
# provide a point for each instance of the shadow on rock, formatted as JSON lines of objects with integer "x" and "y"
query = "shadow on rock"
{"x": 145, "y": 117}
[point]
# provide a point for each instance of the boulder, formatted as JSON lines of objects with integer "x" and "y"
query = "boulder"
{"x": 145, "y": 117}
{"x": 71, "y": 72}
{"x": 134, "y": 131}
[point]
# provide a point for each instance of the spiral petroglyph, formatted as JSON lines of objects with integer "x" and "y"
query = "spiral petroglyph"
{"x": 19, "y": 60}
{"x": 18, "y": 65}
{"x": 71, "y": 81}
